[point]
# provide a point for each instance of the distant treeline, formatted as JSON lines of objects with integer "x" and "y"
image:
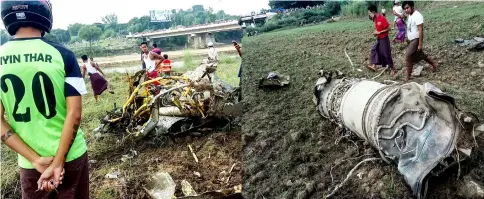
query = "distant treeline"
{"x": 300, "y": 13}
{"x": 110, "y": 28}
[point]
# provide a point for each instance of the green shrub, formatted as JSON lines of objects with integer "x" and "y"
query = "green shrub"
{"x": 301, "y": 17}
{"x": 360, "y": 8}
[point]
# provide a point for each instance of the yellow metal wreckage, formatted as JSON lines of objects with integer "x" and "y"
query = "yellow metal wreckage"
{"x": 178, "y": 104}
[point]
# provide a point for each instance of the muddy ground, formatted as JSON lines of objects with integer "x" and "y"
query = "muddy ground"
{"x": 216, "y": 153}
{"x": 290, "y": 151}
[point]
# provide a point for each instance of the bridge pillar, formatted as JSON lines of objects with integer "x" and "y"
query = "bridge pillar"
{"x": 200, "y": 40}
{"x": 210, "y": 38}
{"x": 150, "y": 43}
{"x": 197, "y": 41}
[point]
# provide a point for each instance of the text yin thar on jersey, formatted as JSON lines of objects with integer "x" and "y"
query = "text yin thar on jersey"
{"x": 31, "y": 57}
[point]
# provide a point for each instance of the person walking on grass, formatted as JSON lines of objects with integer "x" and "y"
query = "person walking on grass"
{"x": 93, "y": 63}
{"x": 40, "y": 97}
{"x": 399, "y": 22}
{"x": 98, "y": 83}
{"x": 415, "y": 35}
{"x": 380, "y": 53}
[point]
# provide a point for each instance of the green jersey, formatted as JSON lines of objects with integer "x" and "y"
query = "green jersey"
{"x": 36, "y": 76}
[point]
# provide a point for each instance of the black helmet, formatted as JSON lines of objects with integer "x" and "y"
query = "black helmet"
{"x": 33, "y": 13}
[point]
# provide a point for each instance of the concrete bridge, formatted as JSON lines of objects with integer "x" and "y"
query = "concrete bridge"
{"x": 198, "y": 36}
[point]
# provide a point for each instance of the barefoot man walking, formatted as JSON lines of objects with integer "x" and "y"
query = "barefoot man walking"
{"x": 415, "y": 35}
{"x": 98, "y": 83}
{"x": 381, "y": 52}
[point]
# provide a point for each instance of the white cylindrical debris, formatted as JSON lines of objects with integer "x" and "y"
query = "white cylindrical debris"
{"x": 170, "y": 111}
{"x": 413, "y": 125}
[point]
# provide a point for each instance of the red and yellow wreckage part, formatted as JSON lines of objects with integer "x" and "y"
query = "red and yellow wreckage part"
{"x": 177, "y": 104}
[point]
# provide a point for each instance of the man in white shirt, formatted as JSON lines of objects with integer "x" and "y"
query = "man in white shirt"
{"x": 212, "y": 53}
{"x": 415, "y": 35}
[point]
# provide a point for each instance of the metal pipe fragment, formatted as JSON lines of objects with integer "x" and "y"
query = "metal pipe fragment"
{"x": 413, "y": 125}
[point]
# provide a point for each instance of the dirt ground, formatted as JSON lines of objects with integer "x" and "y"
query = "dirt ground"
{"x": 290, "y": 151}
{"x": 217, "y": 153}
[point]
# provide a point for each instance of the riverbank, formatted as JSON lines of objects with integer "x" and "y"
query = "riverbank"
{"x": 135, "y": 59}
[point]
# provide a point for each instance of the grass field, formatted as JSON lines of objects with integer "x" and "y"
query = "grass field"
{"x": 108, "y": 150}
{"x": 290, "y": 151}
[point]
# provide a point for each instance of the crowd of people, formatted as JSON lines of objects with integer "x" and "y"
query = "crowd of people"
{"x": 409, "y": 24}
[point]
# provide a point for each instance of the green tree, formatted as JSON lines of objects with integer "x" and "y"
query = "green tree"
{"x": 74, "y": 28}
{"x": 111, "y": 21}
{"x": 90, "y": 33}
{"x": 100, "y": 26}
{"x": 198, "y": 8}
{"x": 51, "y": 37}
{"x": 109, "y": 33}
{"x": 63, "y": 36}
{"x": 293, "y": 4}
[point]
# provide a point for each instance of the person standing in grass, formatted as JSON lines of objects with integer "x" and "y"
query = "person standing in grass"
{"x": 238, "y": 48}
{"x": 41, "y": 105}
{"x": 381, "y": 53}
{"x": 415, "y": 36}
{"x": 399, "y": 22}
{"x": 212, "y": 53}
{"x": 98, "y": 83}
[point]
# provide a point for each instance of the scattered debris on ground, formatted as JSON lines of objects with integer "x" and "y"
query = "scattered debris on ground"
{"x": 182, "y": 107}
{"x": 475, "y": 44}
{"x": 417, "y": 70}
{"x": 274, "y": 79}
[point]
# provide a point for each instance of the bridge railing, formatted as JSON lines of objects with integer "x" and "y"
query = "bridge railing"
{"x": 193, "y": 27}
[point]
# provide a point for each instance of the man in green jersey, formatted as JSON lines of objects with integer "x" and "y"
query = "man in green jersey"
{"x": 41, "y": 87}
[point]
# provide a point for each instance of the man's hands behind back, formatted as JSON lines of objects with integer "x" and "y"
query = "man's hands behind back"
{"x": 42, "y": 163}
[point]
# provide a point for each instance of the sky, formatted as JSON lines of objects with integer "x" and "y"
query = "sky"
{"x": 67, "y": 12}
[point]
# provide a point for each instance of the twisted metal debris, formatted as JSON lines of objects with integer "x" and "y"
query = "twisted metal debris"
{"x": 178, "y": 104}
{"x": 416, "y": 126}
